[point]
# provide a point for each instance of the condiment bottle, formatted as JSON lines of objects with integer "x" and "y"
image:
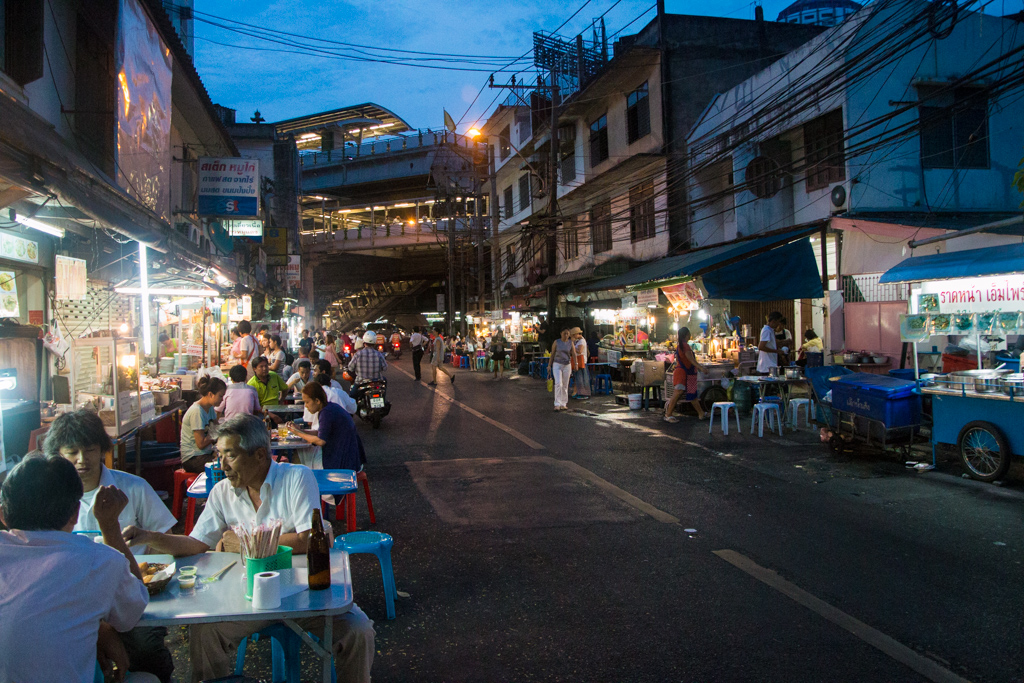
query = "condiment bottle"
{"x": 318, "y": 555}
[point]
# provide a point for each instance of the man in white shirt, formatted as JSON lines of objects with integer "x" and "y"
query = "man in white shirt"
{"x": 304, "y": 370}
{"x": 254, "y": 490}
{"x": 767, "y": 350}
{"x": 81, "y": 439}
{"x": 417, "y": 342}
{"x": 62, "y": 593}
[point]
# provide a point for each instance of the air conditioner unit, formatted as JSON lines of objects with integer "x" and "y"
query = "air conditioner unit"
{"x": 839, "y": 198}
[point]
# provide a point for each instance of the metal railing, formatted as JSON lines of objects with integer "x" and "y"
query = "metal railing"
{"x": 397, "y": 144}
{"x": 866, "y": 288}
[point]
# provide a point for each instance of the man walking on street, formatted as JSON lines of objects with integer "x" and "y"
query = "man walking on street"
{"x": 416, "y": 342}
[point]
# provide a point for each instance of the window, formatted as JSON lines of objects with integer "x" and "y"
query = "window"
{"x": 510, "y": 260}
{"x": 824, "y": 155}
{"x": 641, "y": 211}
{"x": 567, "y": 153}
{"x": 954, "y": 127}
{"x": 95, "y": 119}
{"x": 638, "y": 114}
{"x": 599, "y": 141}
{"x": 524, "y": 192}
{"x": 504, "y": 143}
{"x": 572, "y": 238}
{"x": 601, "y": 226}
{"x": 21, "y": 39}
{"x": 509, "y": 210}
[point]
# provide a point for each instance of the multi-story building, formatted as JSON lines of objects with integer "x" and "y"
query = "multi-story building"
{"x": 902, "y": 122}
{"x": 622, "y": 143}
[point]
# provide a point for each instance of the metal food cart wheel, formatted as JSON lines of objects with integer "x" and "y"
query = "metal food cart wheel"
{"x": 983, "y": 451}
{"x": 836, "y": 443}
{"x": 711, "y": 395}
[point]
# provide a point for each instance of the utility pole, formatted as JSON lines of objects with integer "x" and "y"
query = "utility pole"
{"x": 450, "y": 303}
{"x": 552, "y": 237}
{"x": 495, "y": 243}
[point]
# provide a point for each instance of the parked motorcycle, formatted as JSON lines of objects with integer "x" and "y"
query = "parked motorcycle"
{"x": 371, "y": 401}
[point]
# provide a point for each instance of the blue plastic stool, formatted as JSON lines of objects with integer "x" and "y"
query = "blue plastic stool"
{"x": 602, "y": 385}
{"x": 481, "y": 362}
{"x": 542, "y": 370}
{"x": 285, "y": 659}
{"x": 767, "y": 411}
{"x": 464, "y": 362}
{"x": 377, "y": 544}
{"x": 533, "y": 368}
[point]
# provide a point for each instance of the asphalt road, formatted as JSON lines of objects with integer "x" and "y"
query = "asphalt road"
{"x": 603, "y": 544}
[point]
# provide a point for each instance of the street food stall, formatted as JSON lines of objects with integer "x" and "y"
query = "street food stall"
{"x": 976, "y": 295}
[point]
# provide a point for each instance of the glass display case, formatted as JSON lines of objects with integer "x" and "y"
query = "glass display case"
{"x": 105, "y": 376}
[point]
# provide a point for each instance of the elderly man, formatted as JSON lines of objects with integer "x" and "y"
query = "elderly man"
{"x": 63, "y": 595}
{"x": 81, "y": 439}
{"x": 257, "y": 489}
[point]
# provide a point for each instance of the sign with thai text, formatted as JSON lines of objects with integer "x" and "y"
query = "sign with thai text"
{"x": 647, "y": 297}
{"x": 293, "y": 275}
{"x": 240, "y": 227}
{"x": 971, "y": 295}
{"x": 229, "y": 186}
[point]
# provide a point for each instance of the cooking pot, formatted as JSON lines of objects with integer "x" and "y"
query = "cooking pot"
{"x": 793, "y": 373}
{"x": 851, "y": 358}
{"x": 1013, "y": 383}
{"x": 983, "y": 381}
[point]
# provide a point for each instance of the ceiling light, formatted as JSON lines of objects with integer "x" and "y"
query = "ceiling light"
{"x": 38, "y": 225}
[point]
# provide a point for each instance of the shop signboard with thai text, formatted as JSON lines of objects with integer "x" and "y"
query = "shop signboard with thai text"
{"x": 229, "y": 186}
{"x": 241, "y": 227}
{"x": 293, "y": 276}
{"x": 970, "y": 295}
{"x": 647, "y": 297}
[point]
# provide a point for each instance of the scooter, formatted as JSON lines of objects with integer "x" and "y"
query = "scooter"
{"x": 396, "y": 350}
{"x": 346, "y": 354}
{"x": 371, "y": 401}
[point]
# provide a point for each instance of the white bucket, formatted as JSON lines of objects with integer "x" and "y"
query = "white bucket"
{"x": 635, "y": 401}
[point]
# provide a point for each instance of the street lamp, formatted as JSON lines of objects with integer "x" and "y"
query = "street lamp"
{"x": 473, "y": 133}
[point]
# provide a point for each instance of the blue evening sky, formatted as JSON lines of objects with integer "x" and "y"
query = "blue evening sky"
{"x": 284, "y": 85}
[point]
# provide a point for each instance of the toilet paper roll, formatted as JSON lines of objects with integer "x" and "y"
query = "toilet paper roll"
{"x": 266, "y": 590}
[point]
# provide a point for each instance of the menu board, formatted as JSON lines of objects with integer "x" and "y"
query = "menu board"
{"x": 18, "y": 248}
{"x": 8, "y": 295}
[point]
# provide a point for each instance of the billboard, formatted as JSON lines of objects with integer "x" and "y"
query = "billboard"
{"x": 229, "y": 186}
{"x": 293, "y": 276}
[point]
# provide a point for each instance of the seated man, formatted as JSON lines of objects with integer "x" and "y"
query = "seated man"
{"x": 62, "y": 593}
{"x": 81, "y": 439}
{"x": 304, "y": 370}
{"x": 268, "y": 385}
{"x": 257, "y": 489}
{"x": 334, "y": 395}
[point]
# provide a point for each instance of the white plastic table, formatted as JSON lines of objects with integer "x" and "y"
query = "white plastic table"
{"x": 224, "y": 599}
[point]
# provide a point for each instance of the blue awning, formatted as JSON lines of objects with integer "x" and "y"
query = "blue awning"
{"x": 971, "y": 263}
{"x": 698, "y": 261}
{"x": 786, "y": 272}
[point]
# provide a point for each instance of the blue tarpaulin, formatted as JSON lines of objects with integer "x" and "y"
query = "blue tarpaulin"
{"x": 701, "y": 261}
{"x": 971, "y": 263}
{"x": 788, "y": 272}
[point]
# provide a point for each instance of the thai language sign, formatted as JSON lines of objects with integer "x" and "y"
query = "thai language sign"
{"x": 229, "y": 187}
{"x": 971, "y": 295}
{"x": 240, "y": 227}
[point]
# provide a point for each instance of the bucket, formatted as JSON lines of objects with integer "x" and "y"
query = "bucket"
{"x": 282, "y": 560}
{"x": 635, "y": 401}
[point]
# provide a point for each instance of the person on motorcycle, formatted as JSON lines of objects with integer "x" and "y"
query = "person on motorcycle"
{"x": 368, "y": 364}
{"x": 396, "y": 343}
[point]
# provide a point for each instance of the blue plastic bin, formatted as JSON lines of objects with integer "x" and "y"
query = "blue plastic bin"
{"x": 1012, "y": 362}
{"x": 889, "y": 400}
{"x": 902, "y": 374}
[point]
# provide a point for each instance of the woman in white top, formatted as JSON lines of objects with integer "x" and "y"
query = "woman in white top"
{"x": 277, "y": 357}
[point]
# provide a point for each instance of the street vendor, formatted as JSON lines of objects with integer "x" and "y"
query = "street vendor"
{"x": 256, "y": 489}
{"x": 767, "y": 351}
{"x": 168, "y": 346}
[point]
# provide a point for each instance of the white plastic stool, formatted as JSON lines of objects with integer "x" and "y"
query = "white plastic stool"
{"x": 767, "y": 412}
{"x": 793, "y": 411}
{"x": 723, "y": 409}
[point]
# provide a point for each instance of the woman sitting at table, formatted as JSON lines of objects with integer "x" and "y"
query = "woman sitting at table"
{"x": 336, "y": 432}
{"x": 196, "y": 441}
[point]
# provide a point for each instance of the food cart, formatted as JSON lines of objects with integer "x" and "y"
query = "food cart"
{"x": 978, "y": 293}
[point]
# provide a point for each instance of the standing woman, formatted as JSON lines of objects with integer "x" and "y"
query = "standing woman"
{"x": 498, "y": 353}
{"x": 579, "y": 365}
{"x": 684, "y": 377}
{"x": 560, "y": 367}
{"x": 331, "y": 354}
{"x": 196, "y": 440}
{"x": 437, "y": 349}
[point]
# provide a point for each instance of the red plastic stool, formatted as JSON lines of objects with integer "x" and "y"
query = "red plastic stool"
{"x": 346, "y": 511}
{"x": 361, "y": 477}
{"x": 182, "y": 480}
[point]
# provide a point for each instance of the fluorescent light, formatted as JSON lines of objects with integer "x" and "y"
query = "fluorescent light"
{"x": 37, "y": 225}
{"x": 147, "y": 333}
{"x": 157, "y": 291}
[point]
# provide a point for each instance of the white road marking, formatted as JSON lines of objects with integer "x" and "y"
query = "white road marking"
{"x": 895, "y": 649}
{"x": 476, "y": 413}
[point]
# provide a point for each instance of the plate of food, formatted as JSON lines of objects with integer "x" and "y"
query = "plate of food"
{"x": 983, "y": 322}
{"x": 941, "y": 323}
{"x": 19, "y": 249}
{"x": 6, "y": 282}
{"x": 914, "y": 327}
{"x": 9, "y": 304}
{"x": 1007, "y": 323}
{"x": 157, "y": 572}
{"x": 31, "y": 249}
{"x": 927, "y": 303}
{"x": 963, "y": 323}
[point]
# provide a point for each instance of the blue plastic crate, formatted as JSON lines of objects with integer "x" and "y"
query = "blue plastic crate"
{"x": 889, "y": 400}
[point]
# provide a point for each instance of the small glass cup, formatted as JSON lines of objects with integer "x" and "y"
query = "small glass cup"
{"x": 282, "y": 432}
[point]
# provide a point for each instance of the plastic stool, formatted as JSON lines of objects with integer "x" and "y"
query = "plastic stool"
{"x": 542, "y": 370}
{"x": 602, "y": 385}
{"x": 650, "y": 392}
{"x": 793, "y": 411}
{"x": 285, "y": 658}
{"x": 481, "y": 362}
{"x": 464, "y": 362}
{"x": 190, "y": 515}
{"x": 377, "y": 544}
{"x": 766, "y": 411}
{"x": 182, "y": 480}
{"x": 723, "y": 409}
